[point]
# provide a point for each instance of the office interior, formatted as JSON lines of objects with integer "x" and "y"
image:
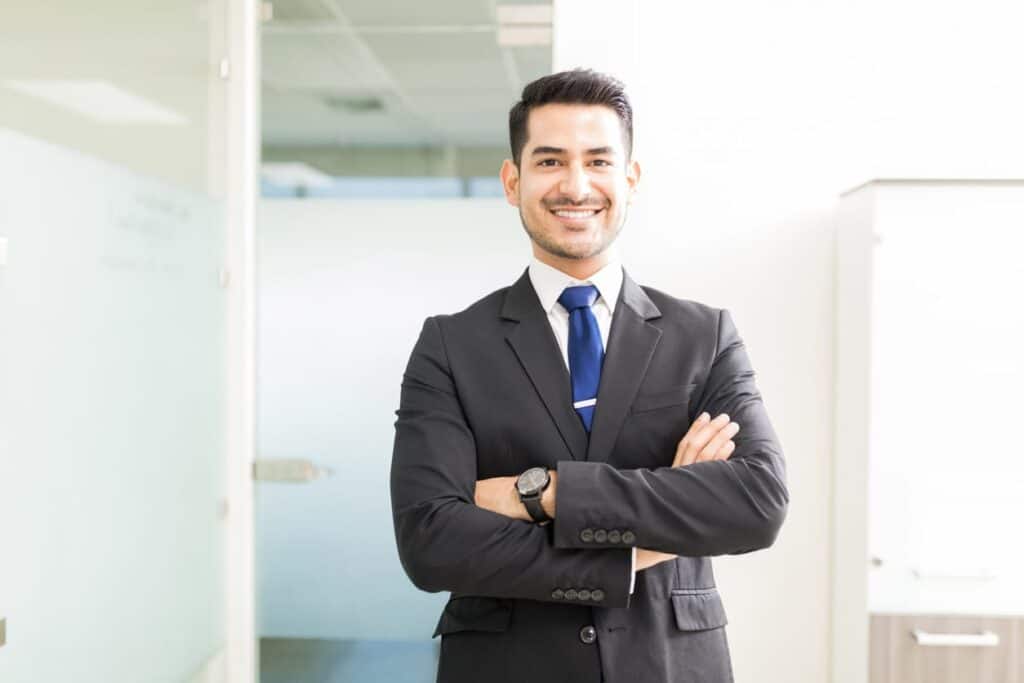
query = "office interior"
{"x": 222, "y": 224}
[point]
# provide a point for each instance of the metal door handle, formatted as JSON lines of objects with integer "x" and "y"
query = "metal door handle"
{"x": 290, "y": 470}
{"x": 983, "y": 639}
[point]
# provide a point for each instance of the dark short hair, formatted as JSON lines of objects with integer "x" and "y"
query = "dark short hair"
{"x": 577, "y": 86}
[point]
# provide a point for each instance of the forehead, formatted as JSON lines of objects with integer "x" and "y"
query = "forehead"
{"x": 573, "y": 127}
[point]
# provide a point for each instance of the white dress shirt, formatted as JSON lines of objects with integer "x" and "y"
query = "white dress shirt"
{"x": 549, "y": 283}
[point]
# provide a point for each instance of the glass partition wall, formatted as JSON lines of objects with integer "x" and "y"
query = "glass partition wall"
{"x": 113, "y": 364}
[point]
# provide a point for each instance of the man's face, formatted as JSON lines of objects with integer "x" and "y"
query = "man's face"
{"x": 573, "y": 182}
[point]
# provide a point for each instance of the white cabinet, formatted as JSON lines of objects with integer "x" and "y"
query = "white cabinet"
{"x": 929, "y": 460}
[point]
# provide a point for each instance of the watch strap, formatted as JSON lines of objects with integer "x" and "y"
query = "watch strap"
{"x": 534, "y": 507}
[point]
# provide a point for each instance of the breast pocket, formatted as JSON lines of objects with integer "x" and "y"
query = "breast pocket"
{"x": 674, "y": 396}
{"x": 656, "y": 421}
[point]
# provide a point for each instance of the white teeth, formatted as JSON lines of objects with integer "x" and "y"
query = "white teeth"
{"x": 575, "y": 214}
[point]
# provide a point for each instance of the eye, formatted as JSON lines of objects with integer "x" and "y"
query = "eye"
{"x": 603, "y": 162}
{"x": 544, "y": 162}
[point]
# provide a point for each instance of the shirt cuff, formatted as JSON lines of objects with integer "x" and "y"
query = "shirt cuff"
{"x": 632, "y": 571}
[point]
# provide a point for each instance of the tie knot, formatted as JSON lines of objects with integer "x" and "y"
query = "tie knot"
{"x": 578, "y": 297}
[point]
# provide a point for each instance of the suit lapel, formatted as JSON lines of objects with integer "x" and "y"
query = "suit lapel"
{"x": 537, "y": 349}
{"x": 631, "y": 344}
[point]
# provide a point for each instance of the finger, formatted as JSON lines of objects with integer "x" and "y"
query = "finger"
{"x": 726, "y": 450}
{"x": 701, "y": 420}
{"x": 717, "y": 441}
{"x": 702, "y": 437}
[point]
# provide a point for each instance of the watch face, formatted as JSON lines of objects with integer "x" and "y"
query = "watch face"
{"x": 532, "y": 480}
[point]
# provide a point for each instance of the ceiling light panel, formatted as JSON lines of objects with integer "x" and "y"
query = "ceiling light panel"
{"x": 524, "y": 14}
{"x": 301, "y": 10}
{"x": 524, "y": 36}
{"x": 99, "y": 100}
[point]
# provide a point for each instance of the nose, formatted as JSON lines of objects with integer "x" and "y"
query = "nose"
{"x": 576, "y": 183}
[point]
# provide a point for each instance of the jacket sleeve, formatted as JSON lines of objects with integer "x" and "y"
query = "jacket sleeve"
{"x": 447, "y": 543}
{"x": 707, "y": 508}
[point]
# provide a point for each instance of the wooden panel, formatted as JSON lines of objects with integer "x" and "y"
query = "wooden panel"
{"x": 897, "y": 658}
{"x": 1018, "y": 650}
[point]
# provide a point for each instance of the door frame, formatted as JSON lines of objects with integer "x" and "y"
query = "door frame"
{"x": 242, "y": 148}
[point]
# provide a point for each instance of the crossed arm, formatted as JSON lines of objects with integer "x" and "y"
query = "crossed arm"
{"x": 705, "y": 441}
{"x": 446, "y": 541}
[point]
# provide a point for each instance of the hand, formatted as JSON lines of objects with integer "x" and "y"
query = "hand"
{"x": 498, "y": 494}
{"x": 645, "y": 559}
{"x": 706, "y": 440}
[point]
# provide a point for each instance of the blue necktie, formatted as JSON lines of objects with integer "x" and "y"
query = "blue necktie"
{"x": 585, "y": 349}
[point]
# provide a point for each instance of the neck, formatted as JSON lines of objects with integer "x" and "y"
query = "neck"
{"x": 579, "y": 269}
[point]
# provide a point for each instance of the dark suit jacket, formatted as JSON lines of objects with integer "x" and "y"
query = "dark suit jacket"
{"x": 486, "y": 393}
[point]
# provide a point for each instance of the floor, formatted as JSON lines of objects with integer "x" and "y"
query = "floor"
{"x": 300, "y": 660}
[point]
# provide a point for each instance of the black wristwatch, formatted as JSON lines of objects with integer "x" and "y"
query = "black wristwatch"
{"x": 531, "y": 485}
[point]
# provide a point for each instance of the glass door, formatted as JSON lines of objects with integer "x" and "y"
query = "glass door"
{"x": 113, "y": 364}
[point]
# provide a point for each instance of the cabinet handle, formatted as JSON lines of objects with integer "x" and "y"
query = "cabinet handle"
{"x": 983, "y": 639}
{"x": 966, "y": 574}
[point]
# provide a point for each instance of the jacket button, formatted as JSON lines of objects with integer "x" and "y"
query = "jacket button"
{"x": 597, "y": 595}
{"x": 628, "y": 537}
{"x": 588, "y": 634}
{"x": 584, "y": 594}
{"x": 571, "y": 594}
{"x": 557, "y": 594}
{"x": 587, "y": 535}
{"x": 600, "y": 536}
{"x": 614, "y": 536}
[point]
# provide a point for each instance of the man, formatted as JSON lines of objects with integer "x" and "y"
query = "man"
{"x": 556, "y": 465}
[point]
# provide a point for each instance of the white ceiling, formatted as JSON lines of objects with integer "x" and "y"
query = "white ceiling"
{"x": 436, "y": 68}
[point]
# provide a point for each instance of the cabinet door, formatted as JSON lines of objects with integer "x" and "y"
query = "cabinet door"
{"x": 947, "y": 371}
{"x": 941, "y": 649}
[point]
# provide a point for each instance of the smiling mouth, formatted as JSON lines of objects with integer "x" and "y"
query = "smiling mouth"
{"x": 576, "y": 214}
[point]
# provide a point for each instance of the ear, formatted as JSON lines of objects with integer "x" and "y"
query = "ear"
{"x": 510, "y": 181}
{"x": 633, "y": 178}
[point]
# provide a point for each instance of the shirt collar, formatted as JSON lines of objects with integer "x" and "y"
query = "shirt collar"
{"x": 549, "y": 282}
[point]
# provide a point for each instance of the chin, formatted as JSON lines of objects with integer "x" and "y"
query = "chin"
{"x": 581, "y": 252}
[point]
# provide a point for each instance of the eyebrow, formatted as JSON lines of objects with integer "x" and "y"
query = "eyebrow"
{"x": 559, "y": 150}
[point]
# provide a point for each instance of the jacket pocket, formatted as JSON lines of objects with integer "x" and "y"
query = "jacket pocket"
{"x": 673, "y": 396}
{"x": 698, "y": 609}
{"x": 473, "y": 613}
